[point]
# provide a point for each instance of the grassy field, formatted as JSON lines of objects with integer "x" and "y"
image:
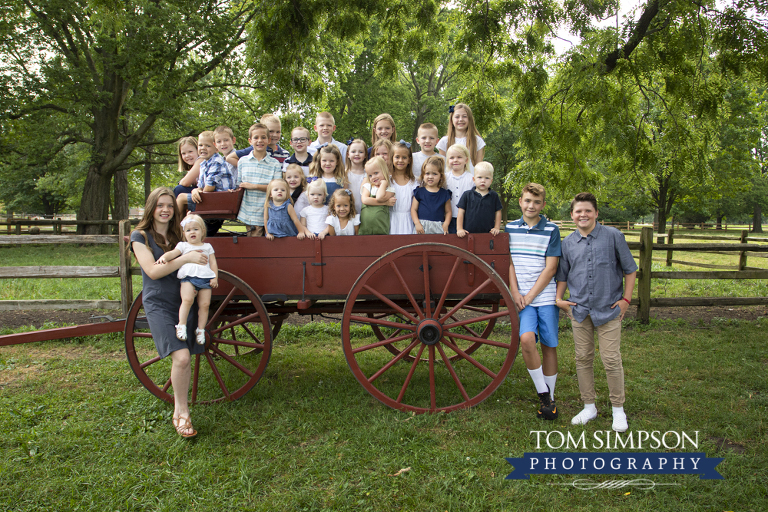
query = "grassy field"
{"x": 80, "y": 433}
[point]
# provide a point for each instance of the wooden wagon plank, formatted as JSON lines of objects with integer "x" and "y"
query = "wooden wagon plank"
{"x": 57, "y": 304}
{"x": 58, "y": 239}
{"x": 62, "y": 333}
{"x": 62, "y": 271}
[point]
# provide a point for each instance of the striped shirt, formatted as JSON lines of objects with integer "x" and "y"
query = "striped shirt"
{"x": 258, "y": 172}
{"x": 529, "y": 248}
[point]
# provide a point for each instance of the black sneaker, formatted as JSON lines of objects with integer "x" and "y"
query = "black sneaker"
{"x": 548, "y": 408}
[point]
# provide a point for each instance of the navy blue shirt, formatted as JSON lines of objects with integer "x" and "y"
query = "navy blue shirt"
{"x": 594, "y": 267}
{"x": 479, "y": 210}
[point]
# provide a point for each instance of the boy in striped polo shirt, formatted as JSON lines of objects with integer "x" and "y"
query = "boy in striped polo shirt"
{"x": 534, "y": 247}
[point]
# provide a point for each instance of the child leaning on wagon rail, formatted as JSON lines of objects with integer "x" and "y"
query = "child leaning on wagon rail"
{"x": 215, "y": 174}
{"x": 431, "y": 205}
{"x": 479, "y": 208}
{"x": 342, "y": 219}
{"x": 280, "y": 219}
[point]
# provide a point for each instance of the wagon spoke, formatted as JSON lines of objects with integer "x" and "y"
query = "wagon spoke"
{"x": 237, "y": 343}
{"x": 395, "y": 306}
{"x": 393, "y": 361}
{"x": 149, "y": 362}
{"x": 224, "y": 303}
{"x": 410, "y": 375}
{"x": 465, "y": 300}
{"x": 478, "y": 340}
{"x": 142, "y": 334}
{"x": 217, "y": 375}
{"x": 470, "y": 359}
{"x": 253, "y": 317}
{"x": 425, "y": 266}
{"x": 452, "y": 372}
{"x": 407, "y": 291}
{"x": 385, "y": 323}
{"x": 482, "y": 318}
{"x": 233, "y": 362}
{"x": 383, "y": 343}
{"x": 448, "y": 285}
{"x": 432, "y": 390}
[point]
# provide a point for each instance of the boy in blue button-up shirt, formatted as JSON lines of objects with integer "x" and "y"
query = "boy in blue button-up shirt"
{"x": 599, "y": 271}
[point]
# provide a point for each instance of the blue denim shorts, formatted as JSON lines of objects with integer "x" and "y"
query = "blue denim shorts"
{"x": 542, "y": 321}
{"x": 200, "y": 283}
{"x": 191, "y": 205}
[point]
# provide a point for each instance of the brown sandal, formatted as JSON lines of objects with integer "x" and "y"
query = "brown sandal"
{"x": 183, "y": 425}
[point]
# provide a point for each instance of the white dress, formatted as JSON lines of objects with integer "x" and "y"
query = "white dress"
{"x": 400, "y": 221}
{"x": 349, "y": 229}
{"x": 315, "y": 218}
{"x": 355, "y": 184}
{"x": 194, "y": 269}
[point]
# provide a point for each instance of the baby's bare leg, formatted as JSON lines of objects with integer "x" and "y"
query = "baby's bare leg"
{"x": 203, "y": 302}
{"x": 188, "y": 293}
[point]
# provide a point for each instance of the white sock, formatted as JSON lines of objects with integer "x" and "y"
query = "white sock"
{"x": 618, "y": 410}
{"x": 538, "y": 380}
{"x": 590, "y": 408}
{"x": 550, "y": 381}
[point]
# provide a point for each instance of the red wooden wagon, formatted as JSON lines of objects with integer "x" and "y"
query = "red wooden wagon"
{"x": 417, "y": 314}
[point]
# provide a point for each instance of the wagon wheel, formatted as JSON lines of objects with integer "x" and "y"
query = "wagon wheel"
{"x": 441, "y": 376}
{"x": 383, "y": 333}
{"x": 237, "y": 350}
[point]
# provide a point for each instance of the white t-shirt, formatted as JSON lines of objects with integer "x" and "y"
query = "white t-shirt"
{"x": 479, "y": 142}
{"x": 355, "y": 184}
{"x": 457, "y": 185}
{"x": 193, "y": 269}
{"x": 349, "y": 229}
{"x": 419, "y": 159}
{"x": 315, "y": 218}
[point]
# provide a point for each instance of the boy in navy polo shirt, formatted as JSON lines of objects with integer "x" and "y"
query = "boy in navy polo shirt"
{"x": 534, "y": 248}
{"x": 599, "y": 271}
{"x": 479, "y": 208}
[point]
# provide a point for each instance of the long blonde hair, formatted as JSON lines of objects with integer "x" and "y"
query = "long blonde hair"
{"x": 472, "y": 133}
{"x": 379, "y": 162}
{"x": 348, "y": 163}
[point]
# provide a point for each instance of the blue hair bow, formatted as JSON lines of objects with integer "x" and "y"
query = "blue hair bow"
{"x": 406, "y": 144}
{"x": 350, "y": 141}
{"x": 450, "y": 109}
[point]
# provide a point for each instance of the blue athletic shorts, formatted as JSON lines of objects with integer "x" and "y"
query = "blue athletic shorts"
{"x": 542, "y": 321}
{"x": 200, "y": 283}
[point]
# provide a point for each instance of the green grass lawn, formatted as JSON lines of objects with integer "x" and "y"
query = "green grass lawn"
{"x": 80, "y": 433}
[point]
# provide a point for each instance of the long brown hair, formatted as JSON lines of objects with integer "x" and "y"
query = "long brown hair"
{"x": 147, "y": 222}
{"x": 185, "y": 141}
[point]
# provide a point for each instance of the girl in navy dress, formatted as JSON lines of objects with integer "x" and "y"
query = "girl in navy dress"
{"x": 431, "y": 206}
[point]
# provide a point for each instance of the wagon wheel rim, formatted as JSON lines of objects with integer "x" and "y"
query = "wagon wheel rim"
{"x": 385, "y": 333}
{"x": 442, "y": 375}
{"x": 237, "y": 350}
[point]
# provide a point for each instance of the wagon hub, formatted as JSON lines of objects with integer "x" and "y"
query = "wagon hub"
{"x": 430, "y": 331}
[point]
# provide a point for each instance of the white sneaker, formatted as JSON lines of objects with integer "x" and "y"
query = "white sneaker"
{"x": 181, "y": 332}
{"x": 620, "y": 422}
{"x": 200, "y": 336}
{"x": 584, "y": 417}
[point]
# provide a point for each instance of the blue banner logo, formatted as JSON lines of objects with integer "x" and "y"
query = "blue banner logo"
{"x": 614, "y": 464}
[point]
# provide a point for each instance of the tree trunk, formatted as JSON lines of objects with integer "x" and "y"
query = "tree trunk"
{"x": 757, "y": 219}
{"x": 719, "y": 221}
{"x": 148, "y": 173}
{"x": 121, "y": 195}
{"x": 95, "y": 202}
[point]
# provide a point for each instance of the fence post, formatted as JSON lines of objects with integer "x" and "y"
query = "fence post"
{"x": 743, "y": 254}
{"x": 670, "y": 239}
{"x": 644, "y": 280}
{"x": 126, "y": 283}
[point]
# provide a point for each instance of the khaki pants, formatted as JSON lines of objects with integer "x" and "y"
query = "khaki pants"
{"x": 609, "y": 338}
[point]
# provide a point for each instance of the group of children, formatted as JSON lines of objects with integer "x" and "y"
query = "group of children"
{"x": 329, "y": 188}
{"x": 326, "y": 185}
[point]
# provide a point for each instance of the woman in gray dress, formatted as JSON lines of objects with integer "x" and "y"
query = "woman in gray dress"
{"x": 158, "y": 232}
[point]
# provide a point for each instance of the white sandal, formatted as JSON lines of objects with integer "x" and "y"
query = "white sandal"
{"x": 200, "y": 336}
{"x": 181, "y": 332}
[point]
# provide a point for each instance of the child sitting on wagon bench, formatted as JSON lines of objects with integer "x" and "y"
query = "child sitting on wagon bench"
{"x": 215, "y": 174}
{"x": 196, "y": 280}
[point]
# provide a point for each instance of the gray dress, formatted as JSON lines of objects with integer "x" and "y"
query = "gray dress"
{"x": 162, "y": 299}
